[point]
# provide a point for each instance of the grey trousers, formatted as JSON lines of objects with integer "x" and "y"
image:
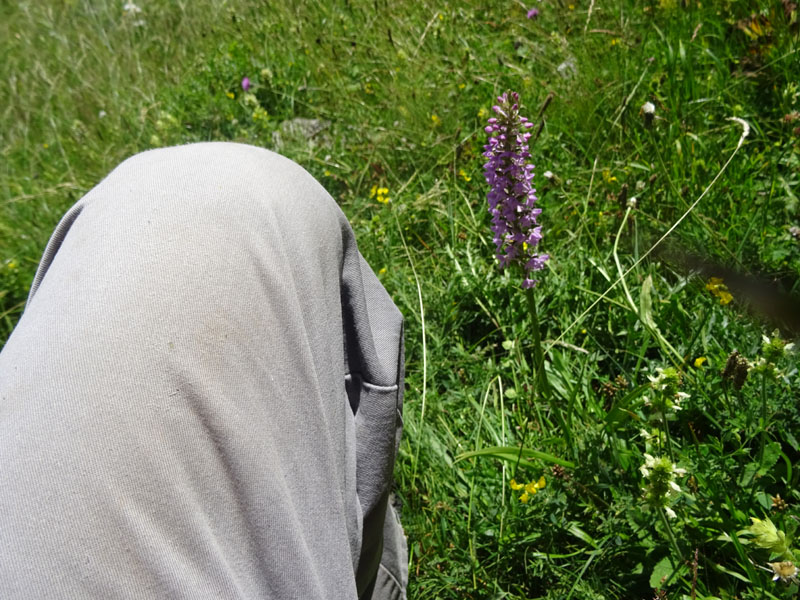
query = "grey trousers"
{"x": 203, "y": 396}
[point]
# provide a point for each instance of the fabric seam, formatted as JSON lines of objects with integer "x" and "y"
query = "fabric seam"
{"x": 391, "y": 575}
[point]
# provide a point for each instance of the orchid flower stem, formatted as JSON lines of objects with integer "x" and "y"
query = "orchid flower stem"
{"x": 539, "y": 372}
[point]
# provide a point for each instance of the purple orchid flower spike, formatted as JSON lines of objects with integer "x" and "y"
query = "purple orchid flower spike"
{"x": 512, "y": 198}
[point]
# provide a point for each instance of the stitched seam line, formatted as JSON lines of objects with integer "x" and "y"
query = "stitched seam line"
{"x": 391, "y": 575}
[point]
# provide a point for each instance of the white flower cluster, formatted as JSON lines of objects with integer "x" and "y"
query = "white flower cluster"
{"x": 129, "y": 11}
{"x": 773, "y": 351}
{"x": 661, "y": 487}
{"x": 665, "y": 383}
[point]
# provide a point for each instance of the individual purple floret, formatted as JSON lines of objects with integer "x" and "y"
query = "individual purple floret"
{"x": 512, "y": 198}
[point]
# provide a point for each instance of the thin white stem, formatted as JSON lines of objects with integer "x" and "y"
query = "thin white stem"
{"x": 745, "y": 133}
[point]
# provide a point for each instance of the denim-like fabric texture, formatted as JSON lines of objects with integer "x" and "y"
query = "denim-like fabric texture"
{"x": 203, "y": 396}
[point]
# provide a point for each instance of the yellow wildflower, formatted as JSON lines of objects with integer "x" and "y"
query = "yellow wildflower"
{"x": 529, "y": 489}
{"x": 717, "y": 288}
{"x": 436, "y": 120}
{"x": 380, "y": 194}
{"x": 483, "y": 113}
{"x": 534, "y": 487}
{"x": 463, "y": 175}
{"x": 230, "y": 95}
{"x": 698, "y": 362}
{"x": 608, "y": 177}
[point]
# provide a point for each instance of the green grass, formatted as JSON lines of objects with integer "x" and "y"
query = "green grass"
{"x": 405, "y": 89}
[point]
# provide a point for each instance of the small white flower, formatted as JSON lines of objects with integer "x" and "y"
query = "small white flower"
{"x": 649, "y": 463}
{"x": 548, "y": 175}
{"x": 131, "y": 9}
{"x": 101, "y": 114}
{"x": 675, "y": 486}
{"x": 670, "y": 513}
{"x": 648, "y": 108}
{"x": 658, "y": 380}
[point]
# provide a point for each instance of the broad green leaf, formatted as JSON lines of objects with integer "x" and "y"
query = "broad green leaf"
{"x": 748, "y": 474}
{"x": 582, "y": 535}
{"x": 663, "y": 573}
{"x": 772, "y": 452}
{"x": 513, "y": 453}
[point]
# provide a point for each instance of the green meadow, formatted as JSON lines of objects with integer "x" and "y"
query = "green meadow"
{"x": 662, "y": 460}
